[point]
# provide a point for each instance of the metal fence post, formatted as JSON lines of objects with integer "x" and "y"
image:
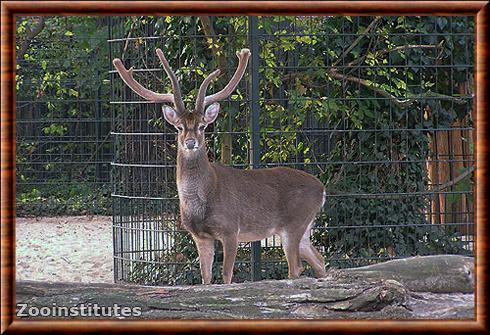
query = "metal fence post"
{"x": 98, "y": 117}
{"x": 254, "y": 125}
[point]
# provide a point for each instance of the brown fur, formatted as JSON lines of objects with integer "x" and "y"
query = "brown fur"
{"x": 235, "y": 205}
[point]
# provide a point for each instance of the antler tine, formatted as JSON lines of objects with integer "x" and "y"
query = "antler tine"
{"x": 243, "y": 57}
{"x": 179, "y": 104}
{"x": 202, "y": 91}
{"x": 127, "y": 77}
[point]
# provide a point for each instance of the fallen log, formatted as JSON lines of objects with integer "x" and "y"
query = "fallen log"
{"x": 437, "y": 274}
{"x": 340, "y": 295}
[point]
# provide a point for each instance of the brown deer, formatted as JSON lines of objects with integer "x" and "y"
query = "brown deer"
{"x": 233, "y": 205}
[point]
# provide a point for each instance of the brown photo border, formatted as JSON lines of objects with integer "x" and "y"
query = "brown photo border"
{"x": 9, "y": 9}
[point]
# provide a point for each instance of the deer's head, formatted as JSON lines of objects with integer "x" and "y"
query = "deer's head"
{"x": 190, "y": 124}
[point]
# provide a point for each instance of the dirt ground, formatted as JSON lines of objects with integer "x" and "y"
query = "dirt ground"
{"x": 67, "y": 249}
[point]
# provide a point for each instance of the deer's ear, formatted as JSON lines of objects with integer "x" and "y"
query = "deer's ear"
{"x": 170, "y": 115}
{"x": 211, "y": 113}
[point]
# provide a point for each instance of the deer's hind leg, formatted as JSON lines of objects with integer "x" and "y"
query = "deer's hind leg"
{"x": 312, "y": 256}
{"x": 290, "y": 245}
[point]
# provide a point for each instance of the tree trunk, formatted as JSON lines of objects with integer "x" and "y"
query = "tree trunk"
{"x": 437, "y": 274}
{"x": 449, "y": 151}
{"x": 364, "y": 293}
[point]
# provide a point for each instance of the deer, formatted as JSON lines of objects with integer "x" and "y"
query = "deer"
{"x": 228, "y": 204}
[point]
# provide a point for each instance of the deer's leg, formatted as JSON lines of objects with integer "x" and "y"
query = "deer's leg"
{"x": 230, "y": 246}
{"x": 310, "y": 254}
{"x": 313, "y": 257}
{"x": 319, "y": 256}
{"x": 290, "y": 245}
{"x": 205, "y": 248}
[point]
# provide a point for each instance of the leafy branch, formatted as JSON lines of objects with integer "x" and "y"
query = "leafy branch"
{"x": 38, "y": 24}
{"x": 372, "y": 86}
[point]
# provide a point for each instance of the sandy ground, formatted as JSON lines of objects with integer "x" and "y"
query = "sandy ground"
{"x": 68, "y": 249}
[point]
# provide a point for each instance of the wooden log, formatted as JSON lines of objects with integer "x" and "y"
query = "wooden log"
{"x": 306, "y": 297}
{"x": 437, "y": 274}
{"x": 362, "y": 294}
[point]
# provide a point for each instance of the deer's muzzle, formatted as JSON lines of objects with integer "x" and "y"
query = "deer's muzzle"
{"x": 190, "y": 144}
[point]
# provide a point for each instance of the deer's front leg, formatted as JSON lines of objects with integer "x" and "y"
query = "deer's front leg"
{"x": 205, "y": 248}
{"x": 230, "y": 246}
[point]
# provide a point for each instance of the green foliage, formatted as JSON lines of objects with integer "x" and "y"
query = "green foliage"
{"x": 66, "y": 58}
{"x": 70, "y": 199}
{"x": 397, "y": 73}
{"x": 55, "y": 130}
{"x": 177, "y": 265}
{"x": 57, "y": 79}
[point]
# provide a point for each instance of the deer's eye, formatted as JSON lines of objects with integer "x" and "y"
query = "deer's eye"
{"x": 202, "y": 127}
{"x": 180, "y": 128}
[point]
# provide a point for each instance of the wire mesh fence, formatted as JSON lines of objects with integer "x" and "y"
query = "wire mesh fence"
{"x": 378, "y": 108}
{"x": 62, "y": 115}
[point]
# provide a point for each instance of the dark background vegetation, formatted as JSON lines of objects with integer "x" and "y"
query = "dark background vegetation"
{"x": 63, "y": 122}
{"x": 379, "y": 108}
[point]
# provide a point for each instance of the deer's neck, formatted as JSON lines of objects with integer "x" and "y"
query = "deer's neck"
{"x": 194, "y": 182}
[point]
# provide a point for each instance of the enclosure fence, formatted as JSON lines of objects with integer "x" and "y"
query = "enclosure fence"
{"x": 63, "y": 122}
{"x": 378, "y": 108}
